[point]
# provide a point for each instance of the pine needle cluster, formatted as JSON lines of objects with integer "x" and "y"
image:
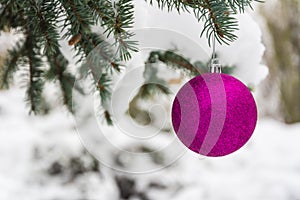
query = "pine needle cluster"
{"x": 45, "y": 23}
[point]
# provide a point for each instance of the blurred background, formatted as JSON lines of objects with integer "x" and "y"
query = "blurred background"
{"x": 59, "y": 156}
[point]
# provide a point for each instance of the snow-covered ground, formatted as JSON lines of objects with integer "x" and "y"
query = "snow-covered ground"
{"x": 268, "y": 167}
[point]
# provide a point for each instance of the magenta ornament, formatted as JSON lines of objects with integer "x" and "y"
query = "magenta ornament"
{"x": 214, "y": 114}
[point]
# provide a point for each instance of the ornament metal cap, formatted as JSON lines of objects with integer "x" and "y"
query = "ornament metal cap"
{"x": 215, "y": 66}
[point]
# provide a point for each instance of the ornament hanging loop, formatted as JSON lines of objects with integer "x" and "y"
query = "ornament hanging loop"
{"x": 215, "y": 66}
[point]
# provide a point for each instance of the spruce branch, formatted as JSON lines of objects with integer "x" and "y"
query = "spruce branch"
{"x": 78, "y": 19}
{"x": 176, "y": 61}
{"x": 124, "y": 20}
{"x": 218, "y": 15}
{"x": 11, "y": 65}
{"x": 9, "y": 10}
{"x": 150, "y": 89}
{"x": 45, "y": 22}
{"x": 89, "y": 45}
{"x": 118, "y": 20}
{"x": 100, "y": 64}
{"x": 43, "y": 17}
{"x": 101, "y": 10}
{"x": 103, "y": 87}
{"x": 58, "y": 72}
{"x": 219, "y": 22}
{"x": 35, "y": 82}
{"x": 154, "y": 84}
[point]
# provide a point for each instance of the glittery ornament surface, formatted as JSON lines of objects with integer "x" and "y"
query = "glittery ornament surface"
{"x": 214, "y": 114}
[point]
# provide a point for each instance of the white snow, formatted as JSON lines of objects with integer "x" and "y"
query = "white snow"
{"x": 8, "y": 39}
{"x": 268, "y": 167}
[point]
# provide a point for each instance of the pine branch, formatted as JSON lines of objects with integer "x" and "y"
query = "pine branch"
{"x": 58, "y": 72}
{"x": 219, "y": 22}
{"x": 120, "y": 21}
{"x": 103, "y": 87}
{"x": 150, "y": 89}
{"x": 99, "y": 56}
{"x": 124, "y": 20}
{"x": 173, "y": 60}
{"x": 43, "y": 17}
{"x": 99, "y": 51}
{"x": 10, "y": 65}
{"x": 154, "y": 84}
{"x": 78, "y": 21}
{"x": 39, "y": 21}
{"x": 170, "y": 4}
{"x": 43, "y": 21}
{"x": 35, "y": 82}
{"x": 47, "y": 30}
{"x": 102, "y": 10}
{"x": 117, "y": 18}
{"x": 217, "y": 14}
{"x": 9, "y": 17}
{"x": 240, "y": 5}
{"x": 99, "y": 64}
{"x": 78, "y": 18}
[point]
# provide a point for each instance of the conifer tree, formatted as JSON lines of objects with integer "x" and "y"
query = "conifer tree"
{"x": 43, "y": 21}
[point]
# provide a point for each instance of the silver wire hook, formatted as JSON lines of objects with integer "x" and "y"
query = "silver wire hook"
{"x": 214, "y": 56}
{"x": 215, "y": 66}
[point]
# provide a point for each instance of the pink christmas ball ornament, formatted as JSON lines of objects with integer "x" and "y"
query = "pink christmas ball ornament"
{"x": 214, "y": 114}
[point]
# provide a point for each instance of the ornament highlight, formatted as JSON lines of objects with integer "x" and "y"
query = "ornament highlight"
{"x": 214, "y": 114}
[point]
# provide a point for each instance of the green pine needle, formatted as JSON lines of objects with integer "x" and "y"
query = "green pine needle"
{"x": 44, "y": 23}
